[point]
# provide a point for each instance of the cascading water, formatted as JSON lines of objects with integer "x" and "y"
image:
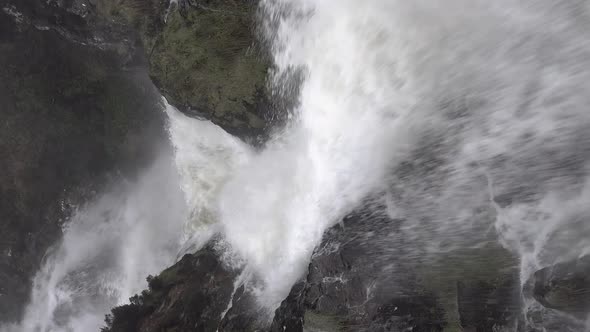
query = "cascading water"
{"x": 350, "y": 125}
{"x": 107, "y": 249}
{"x": 139, "y": 228}
{"x": 471, "y": 116}
{"x": 467, "y": 118}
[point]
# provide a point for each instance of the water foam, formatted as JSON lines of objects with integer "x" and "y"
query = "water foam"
{"x": 354, "y": 105}
{"x": 471, "y": 115}
{"x": 108, "y": 249}
{"x": 138, "y": 228}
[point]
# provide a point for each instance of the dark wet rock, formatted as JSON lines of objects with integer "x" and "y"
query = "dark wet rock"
{"x": 289, "y": 317}
{"x": 204, "y": 56}
{"x": 346, "y": 289}
{"x": 79, "y": 108}
{"x": 196, "y": 294}
{"x": 80, "y": 22}
{"x": 74, "y": 105}
{"x": 489, "y": 305}
{"x": 565, "y": 287}
{"x": 192, "y": 295}
{"x": 73, "y": 119}
{"x": 352, "y": 284}
{"x": 355, "y": 284}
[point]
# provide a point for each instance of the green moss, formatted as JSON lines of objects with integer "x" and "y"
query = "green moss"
{"x": 138, "y": 13}
{"x": 170, "y": 275}
{"x": 203, "y": 60}
{"x": 324, "y": 323}
{"x": 491, "y": 264}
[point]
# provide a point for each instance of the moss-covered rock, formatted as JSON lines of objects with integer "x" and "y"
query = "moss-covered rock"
{"x": 192, "y": 295}
{"x": 204, "y": 57}
{"x": 205, "y": 62}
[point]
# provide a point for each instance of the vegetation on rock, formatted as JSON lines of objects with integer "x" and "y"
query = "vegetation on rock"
{"x": 204, "y": 58}
{"x": 192, "y": 295}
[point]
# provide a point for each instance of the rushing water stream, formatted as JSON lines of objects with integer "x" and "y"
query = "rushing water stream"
{"x": 467, "y": 117}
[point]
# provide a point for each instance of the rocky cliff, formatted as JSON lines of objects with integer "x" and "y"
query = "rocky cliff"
{"x": 348, "y": 287}
{"x": 204, "y": 58}
{"x": 77, "y": 112}
{"x": 80, "y": 108}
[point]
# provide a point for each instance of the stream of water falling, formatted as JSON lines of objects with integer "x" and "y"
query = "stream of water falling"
{"x": 133, "y": 230}
{"x": 468, "y": 117}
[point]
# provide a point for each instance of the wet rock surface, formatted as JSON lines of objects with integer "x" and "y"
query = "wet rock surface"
{"x": 75, "y": 116}
{"x": 349, "y": 286}
{"x": 78, "y": 104}
{"x": 204, "y": 56}
{"x": 565, "y": 287}
{"x": 80, "y": 110}
{"x": 207, "y": 62}
{"x": 199, "y": 293}
{"x": 190, "y": 296}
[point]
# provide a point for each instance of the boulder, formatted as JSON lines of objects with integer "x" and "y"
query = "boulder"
{"x": 565, "y": 287}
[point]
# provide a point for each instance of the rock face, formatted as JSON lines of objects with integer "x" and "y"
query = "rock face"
{"x": 353, "y": 286}
{"x": 565, "y": 287}
{"x": 204, "y": 57}
{"x": 205, "y": 61}
{"x": 349, "y": 287}
{"x": 75, "y": 113}
{"x": 199, "y": 293}
{"x": 79, "y": 106}
{"x": 193, "y": 295}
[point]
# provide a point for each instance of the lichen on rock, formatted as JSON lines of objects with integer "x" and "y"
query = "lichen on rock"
{"x": 204, "y": 57}
{"x": 205, "y": 62}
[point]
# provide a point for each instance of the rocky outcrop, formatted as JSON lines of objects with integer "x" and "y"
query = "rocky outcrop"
{"x": 203, "y": 55}
{"x": 355, "y": 285}
{"x": 348, "y": 289}
{"x": 192, "y": 295}
{"x": 79, "y": 106}
{"x": 205, "y": 58}
{"x": 76, "y": 113}
{"x": 351, "y": 285}
{"x": 199, "y": 293}
{"x": 565, "y": 287}
{"x": 206, "y": 62}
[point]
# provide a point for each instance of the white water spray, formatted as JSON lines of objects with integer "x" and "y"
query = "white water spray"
{"x": 108, "y": 249}
{"x": 111, "y": 245}
{"x": 486, "y": 100}
{"x": 471, "y": 115}
{"x": 352, "y": 122}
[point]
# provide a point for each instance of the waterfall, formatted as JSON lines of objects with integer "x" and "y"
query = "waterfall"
{"x": 468, "y": 118}
{"x": 135, "y": 229}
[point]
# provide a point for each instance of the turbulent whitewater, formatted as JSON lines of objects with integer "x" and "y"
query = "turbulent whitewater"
{"x": 133, "y": 230}
{"x": 468, "y": 120}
